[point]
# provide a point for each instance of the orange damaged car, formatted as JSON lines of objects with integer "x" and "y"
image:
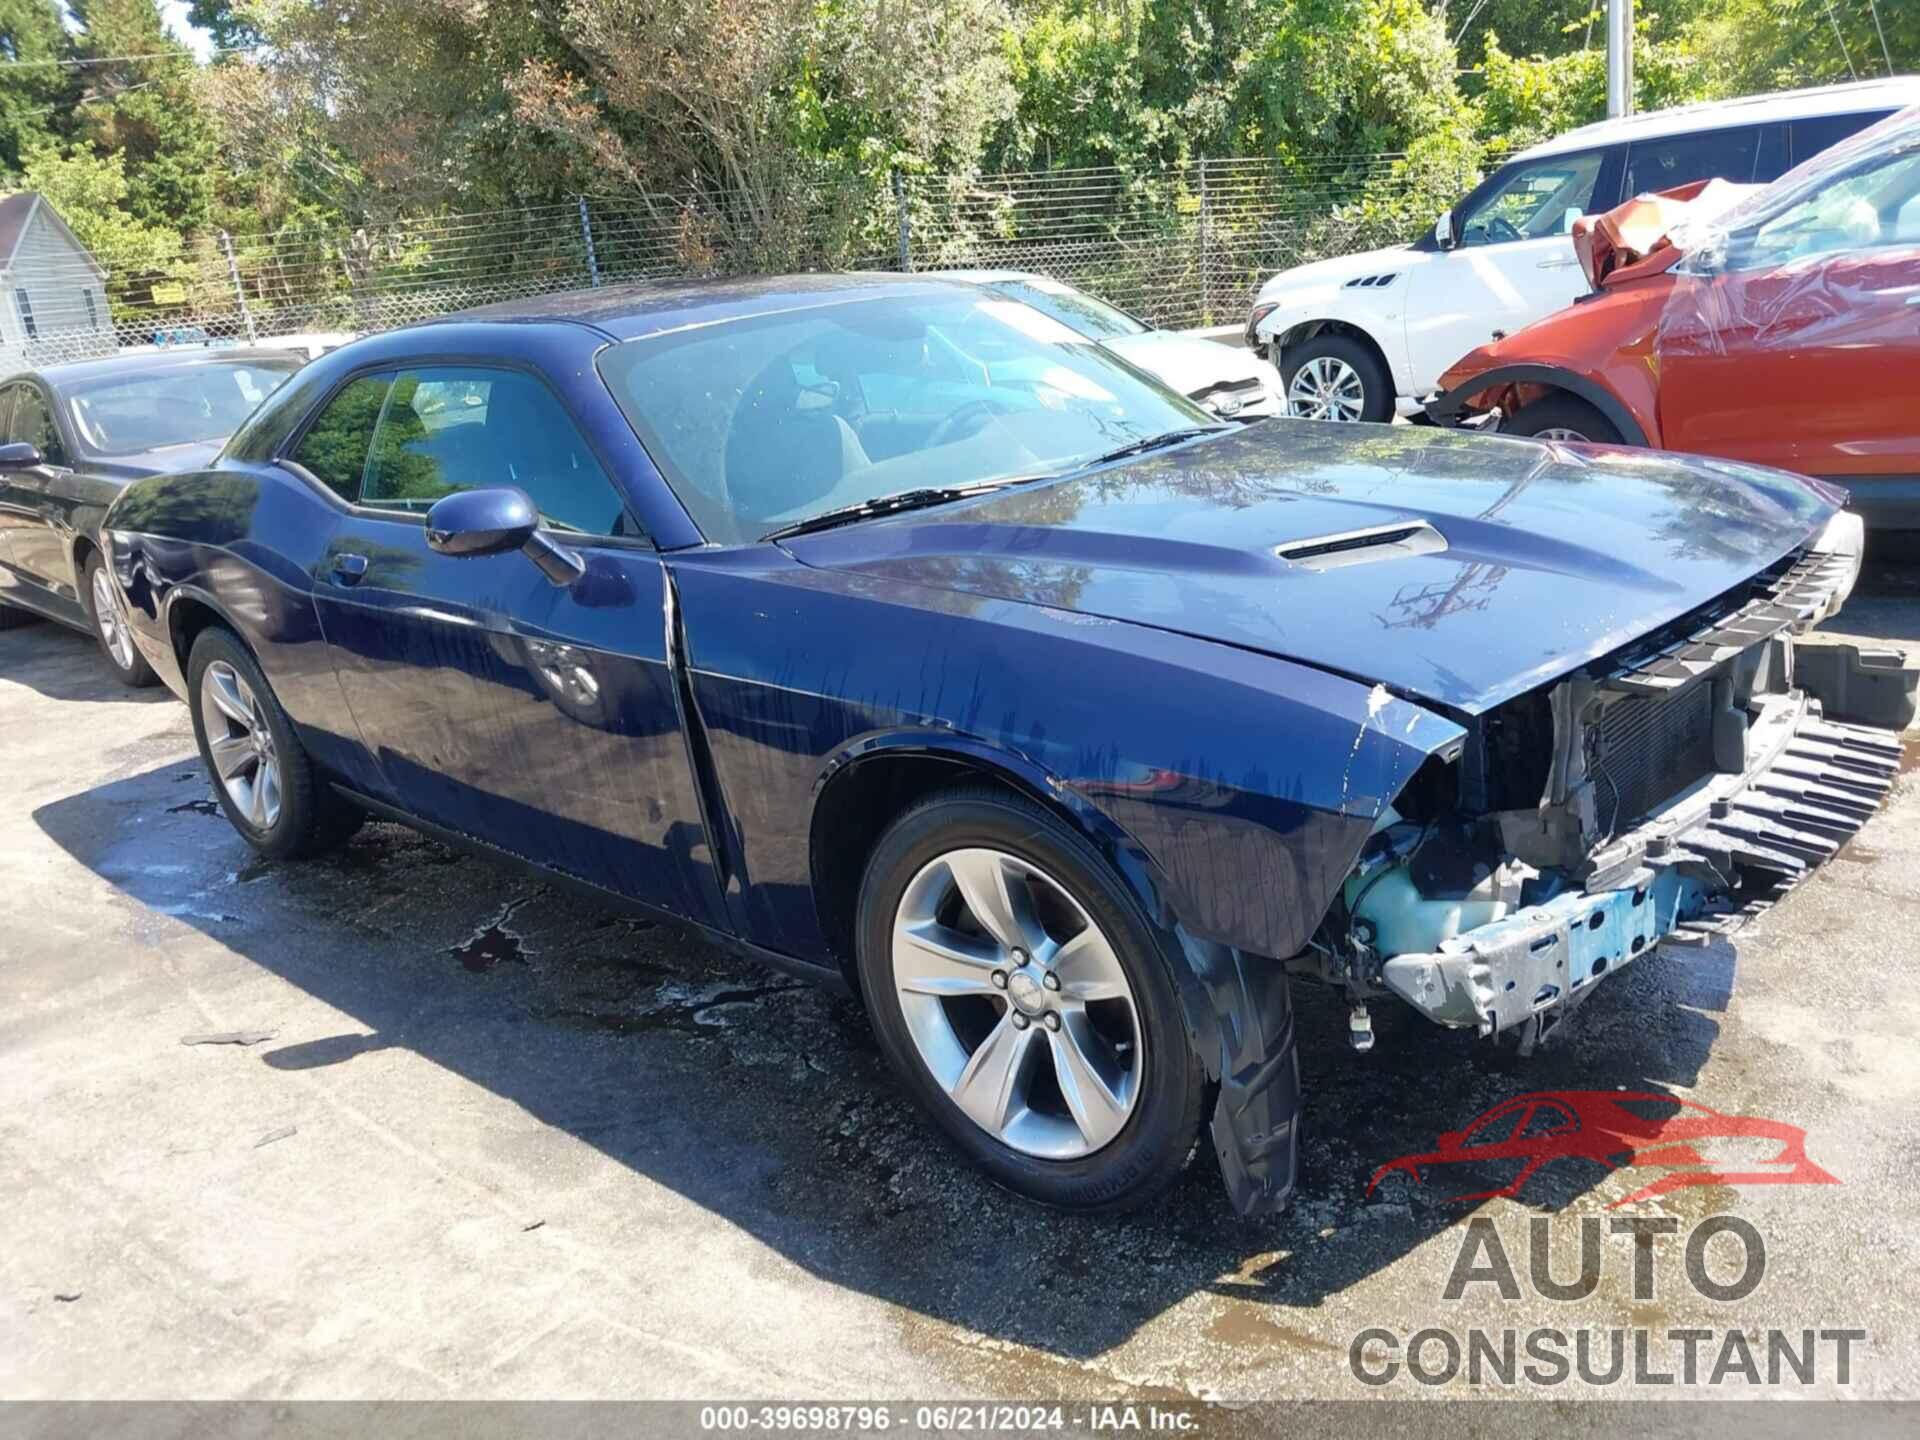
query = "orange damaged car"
{"x": 1778, "y": 325}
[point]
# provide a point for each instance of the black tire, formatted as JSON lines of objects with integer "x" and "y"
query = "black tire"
{"x": 1160, "y": 1136}
{"x": 1376, "y": 403}
{"x": 137, "y": 674}
{"x": 312, "y": 817}
{"x": 1563, "y": 412}
{"x": 12, "y": 618}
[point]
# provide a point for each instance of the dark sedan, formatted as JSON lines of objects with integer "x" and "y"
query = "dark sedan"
{"x": 72, "y": 436}
{"x": 869, "y": 625}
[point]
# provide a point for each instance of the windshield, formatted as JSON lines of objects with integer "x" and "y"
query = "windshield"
{"x": 763, "y": 422}
{"x": 179, "y": 405}
{"x": 1079, "y": 312}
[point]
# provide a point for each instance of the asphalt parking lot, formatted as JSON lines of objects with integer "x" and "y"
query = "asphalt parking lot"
{"x": 488, "y": 1141}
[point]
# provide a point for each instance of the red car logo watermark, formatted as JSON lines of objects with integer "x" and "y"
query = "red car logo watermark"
{"x": 1619, "y": 1129}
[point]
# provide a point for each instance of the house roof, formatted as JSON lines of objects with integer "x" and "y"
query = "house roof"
{"x": 17, "y": 212}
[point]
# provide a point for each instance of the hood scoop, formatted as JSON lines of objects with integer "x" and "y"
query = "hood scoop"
{"x": 1362, "y": 547}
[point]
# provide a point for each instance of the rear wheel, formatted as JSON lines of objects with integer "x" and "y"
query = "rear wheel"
{"x": 261, "y": 772}
{"x": 1560, "y": 416}
{"x": 110, "y": 625}
{"x": 1335, "y": 377}
{"x": 1024, "y": 1003}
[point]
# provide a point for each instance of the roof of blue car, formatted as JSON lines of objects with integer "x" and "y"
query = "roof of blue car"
{"x": 147, "y": 362}
{"x": 631, "y": 311}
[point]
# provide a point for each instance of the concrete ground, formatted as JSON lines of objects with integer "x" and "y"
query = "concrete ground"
{"x": 488, "y": 1141}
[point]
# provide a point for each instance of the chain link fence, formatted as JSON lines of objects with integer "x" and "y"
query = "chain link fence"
{"x": 1182, "y": 247}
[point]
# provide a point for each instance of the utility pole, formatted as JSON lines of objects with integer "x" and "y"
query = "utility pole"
{"x": 1619, "y": 58}
{"x": 586, "y": 244}
{"x": 239, "y": 290}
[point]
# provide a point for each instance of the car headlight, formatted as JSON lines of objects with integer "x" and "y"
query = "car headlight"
{"x": 1260, "y": 312}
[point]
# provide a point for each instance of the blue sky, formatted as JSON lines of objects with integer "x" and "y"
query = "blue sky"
{"x": 197, "y": 41}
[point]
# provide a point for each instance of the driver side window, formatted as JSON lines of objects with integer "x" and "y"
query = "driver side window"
{"x": 33, "y": 422}
{"x": 1534, "y": 199}
{"x": 448, "y": 428}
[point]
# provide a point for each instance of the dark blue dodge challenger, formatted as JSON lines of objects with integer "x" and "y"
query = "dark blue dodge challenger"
{"x": 899, "y": 636}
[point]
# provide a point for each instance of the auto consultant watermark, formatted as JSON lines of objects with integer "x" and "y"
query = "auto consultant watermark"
{"x": 1721, "y": 1259}
{"x": 1548, "y": 1356}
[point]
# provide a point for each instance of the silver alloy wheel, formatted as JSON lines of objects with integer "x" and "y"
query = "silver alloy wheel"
{"x": 1326, "y": 388}
{"x": 1017, "y": 1003}
{"x": 241, "y": 744}
{"x": 111, "y": 623}
{"x": 1561, "y": 432}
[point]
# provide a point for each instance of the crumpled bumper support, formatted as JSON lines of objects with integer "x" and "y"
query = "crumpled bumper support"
{"x": 1709, "y": 861}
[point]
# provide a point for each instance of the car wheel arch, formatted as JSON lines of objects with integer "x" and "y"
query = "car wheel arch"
{"x": 1544, "y": 378}
{"x": 865, "y": 786}
{"x": 1305, "y": 330}
{"x": 189, "y": 611}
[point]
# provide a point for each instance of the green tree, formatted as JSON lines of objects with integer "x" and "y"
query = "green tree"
{"x": 90, "y": 192}
{"x": 37, "y": 100}
{"x": 146, "y": 110}
{"x": 1525, "y": 100}
{"x": 230, "y": 22}
{"x": 1753, "y": 46}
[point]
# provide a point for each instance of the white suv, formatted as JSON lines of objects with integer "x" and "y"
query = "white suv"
{"x": 1357, "y": 337}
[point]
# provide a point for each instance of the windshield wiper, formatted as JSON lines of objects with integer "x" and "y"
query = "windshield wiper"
{"x": 1154, "y": 442}
{"x": 942, "y": 495}
{"x": 886, "y": 505}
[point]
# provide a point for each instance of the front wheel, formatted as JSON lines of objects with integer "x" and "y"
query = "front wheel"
{"x": 110, "y": 626}
{"x": 1560, "y": 416}
{"x": 261, "y": 772}
{"x": 1018, "y": 993}
{"x": 1335, "y": 377}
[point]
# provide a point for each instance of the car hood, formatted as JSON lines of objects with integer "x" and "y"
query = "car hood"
{"x": 1322, "y": 274}
{"x": 1190, "y": 364}
{"x": 166, "y": 460}
{"x": 1515, "y": 562}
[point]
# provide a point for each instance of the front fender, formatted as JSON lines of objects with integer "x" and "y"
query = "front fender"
{"x": 1236, "y": 1007}
{"x": 1450, "y": 406}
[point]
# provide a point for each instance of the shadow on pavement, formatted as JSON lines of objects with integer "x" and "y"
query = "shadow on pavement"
{"x": 764, "y": 1100}
{"x": 63, "y": 664}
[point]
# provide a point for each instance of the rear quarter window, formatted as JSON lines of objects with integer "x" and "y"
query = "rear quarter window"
{"x": 1810, "y": 137}
{"x": 1682, "y": 159}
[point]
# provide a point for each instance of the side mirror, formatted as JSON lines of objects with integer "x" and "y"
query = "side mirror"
{"x": 494, "y": 521}
{"x": 20, "y": 455}
{"x": 1443, "y": 230}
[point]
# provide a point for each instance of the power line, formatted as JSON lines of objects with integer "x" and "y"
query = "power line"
{"x": 1874, "y": 6}
{"x": 81, "y": 64}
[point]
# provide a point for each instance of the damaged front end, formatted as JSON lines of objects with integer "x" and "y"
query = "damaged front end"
{"x": 1656, "y": 796}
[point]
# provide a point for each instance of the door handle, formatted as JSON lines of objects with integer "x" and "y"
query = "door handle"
{"x": 348, "y": 569}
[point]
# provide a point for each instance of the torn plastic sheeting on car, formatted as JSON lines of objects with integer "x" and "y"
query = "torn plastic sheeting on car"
{"x": 1712, "y": 857}
{"x": 1616, "y": 246}
{"x": 1823, "y": 257}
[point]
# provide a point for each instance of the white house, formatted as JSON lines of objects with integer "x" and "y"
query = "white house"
{"x": 53, "y": 296}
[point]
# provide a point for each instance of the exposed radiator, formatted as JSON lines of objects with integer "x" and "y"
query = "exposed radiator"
{"x": 1648, "y": 749}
